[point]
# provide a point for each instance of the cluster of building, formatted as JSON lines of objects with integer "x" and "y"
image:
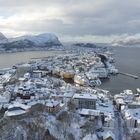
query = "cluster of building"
{"x": 128, "y": 104}
{"x": 61, "y": 83}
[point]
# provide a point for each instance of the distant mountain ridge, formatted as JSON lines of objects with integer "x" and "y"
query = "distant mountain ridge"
{"x": 44, "y": 40}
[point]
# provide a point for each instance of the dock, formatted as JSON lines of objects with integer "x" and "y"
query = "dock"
{"x": 39, "y": 57}
{"x": 130, "y": 75}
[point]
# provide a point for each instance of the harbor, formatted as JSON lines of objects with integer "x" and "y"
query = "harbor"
{"x": 69, "y": 70}
{"x": 61, "y": 85}
{"x": 120, "y": 82}
{"x": 56, "y": 86}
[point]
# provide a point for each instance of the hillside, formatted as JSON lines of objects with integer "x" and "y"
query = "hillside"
{"x": 45, "y": 40}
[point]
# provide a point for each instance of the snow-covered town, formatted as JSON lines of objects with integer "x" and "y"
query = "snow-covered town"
{"x": 59, "y": 98}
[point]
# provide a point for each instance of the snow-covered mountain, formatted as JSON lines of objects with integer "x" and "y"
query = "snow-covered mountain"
{"x": 3, "y": 39}
{"x": 31, "y": 42}
{"x": 39, "y": 40}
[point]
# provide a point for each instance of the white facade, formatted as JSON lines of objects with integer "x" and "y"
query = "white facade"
{"x": 87, "y": 101}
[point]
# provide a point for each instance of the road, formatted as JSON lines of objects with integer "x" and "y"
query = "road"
{"x": 118, "y": 125}
{"x": 121, "y": 132}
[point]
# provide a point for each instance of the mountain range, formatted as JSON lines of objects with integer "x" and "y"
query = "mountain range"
{"x": 44, "y": 40}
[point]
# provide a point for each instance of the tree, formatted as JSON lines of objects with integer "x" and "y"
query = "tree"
{"x": 71, "y": 106}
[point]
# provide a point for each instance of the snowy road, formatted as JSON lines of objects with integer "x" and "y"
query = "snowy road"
{"x": 121, "y": 130}
{"x": 119, "y": 126}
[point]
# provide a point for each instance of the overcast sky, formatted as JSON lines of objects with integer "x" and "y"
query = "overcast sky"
{"x": 71, "y": 20}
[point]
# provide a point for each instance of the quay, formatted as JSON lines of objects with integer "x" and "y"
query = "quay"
{"x": 130, "y": 75}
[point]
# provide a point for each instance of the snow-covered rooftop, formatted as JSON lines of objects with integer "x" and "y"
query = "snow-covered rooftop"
{"x": 85, "y": 96}
{"x": 90, "y": 112}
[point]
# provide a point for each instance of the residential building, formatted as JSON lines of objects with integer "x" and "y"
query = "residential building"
{"x": 87, "y": 101}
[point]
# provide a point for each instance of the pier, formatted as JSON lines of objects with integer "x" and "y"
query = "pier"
{"x": 130, "y": 75}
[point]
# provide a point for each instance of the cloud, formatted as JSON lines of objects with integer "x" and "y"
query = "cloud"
{"x": 127, "y": 40}
{"x": 90, "y": 19}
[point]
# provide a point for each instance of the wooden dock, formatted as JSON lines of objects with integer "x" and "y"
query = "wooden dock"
{"x": 130, "y": 75}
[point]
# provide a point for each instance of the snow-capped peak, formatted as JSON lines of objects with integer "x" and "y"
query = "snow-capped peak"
{"x": 40, "y": 39}
{"x": 3, "y": 39}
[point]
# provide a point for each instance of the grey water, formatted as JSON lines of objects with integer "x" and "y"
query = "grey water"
{"x": 127, "y": 60}
{"x": 9, "y": 59}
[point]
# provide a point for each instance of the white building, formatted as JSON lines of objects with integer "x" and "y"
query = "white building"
{"x": 87, "y": 101}
{"x": 17, "y": 109}
{"x": 102, "y": 72}
{"x": 132, "y": 118}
